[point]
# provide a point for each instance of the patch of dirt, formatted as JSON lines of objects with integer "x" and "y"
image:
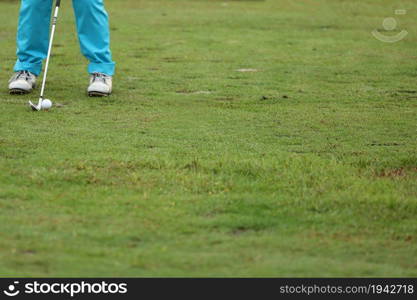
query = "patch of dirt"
{"x": 395, "y": 173}
{"x": 185, "y": 91}
{"x": 172, "y": 59}
{"x": 240, "y": 230}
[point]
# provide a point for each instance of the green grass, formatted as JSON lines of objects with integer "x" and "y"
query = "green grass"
{"x": 306, "y": 167}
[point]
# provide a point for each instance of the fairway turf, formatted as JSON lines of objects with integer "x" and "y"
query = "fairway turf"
{"x": 304, "y": 164}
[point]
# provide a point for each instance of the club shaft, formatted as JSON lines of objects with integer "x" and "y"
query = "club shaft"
{"x": 51, "y": 41}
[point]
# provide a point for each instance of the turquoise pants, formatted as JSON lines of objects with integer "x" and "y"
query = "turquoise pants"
{"x": 93, "y": 34}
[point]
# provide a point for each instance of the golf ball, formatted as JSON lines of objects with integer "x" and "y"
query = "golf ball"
{"x": 46, "y": 104}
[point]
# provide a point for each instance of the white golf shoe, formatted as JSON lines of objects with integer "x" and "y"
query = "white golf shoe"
{"x": 100, "y": 85}
{"x": 22, "y": 82}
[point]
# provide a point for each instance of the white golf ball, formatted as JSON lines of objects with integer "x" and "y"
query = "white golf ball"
{"x": 46, "y": 104}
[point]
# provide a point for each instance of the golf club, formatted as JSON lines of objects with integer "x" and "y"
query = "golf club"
{"x": 51, "y": 40}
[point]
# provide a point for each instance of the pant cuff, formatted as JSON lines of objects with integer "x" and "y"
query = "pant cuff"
{"x": 105, "y": 68}
{"x": 24, "y": 66}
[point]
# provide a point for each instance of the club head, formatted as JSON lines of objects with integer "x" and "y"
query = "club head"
{"x": 36, "y": 107}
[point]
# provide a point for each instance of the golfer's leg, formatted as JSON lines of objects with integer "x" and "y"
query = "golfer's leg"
{"x": 33, "y": 35}
{"x": 94, "y": 35}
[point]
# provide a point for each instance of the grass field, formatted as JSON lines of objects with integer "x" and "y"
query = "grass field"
{"x": 244, "y": 138}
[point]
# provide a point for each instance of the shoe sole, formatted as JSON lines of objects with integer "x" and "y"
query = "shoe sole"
{"x": 19, "y": 92}
{"x": 98, "y": 94}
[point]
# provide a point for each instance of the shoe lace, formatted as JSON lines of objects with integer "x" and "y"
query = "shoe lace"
{"x": 99, "y": 77}
{"x": 23, "y": 74}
